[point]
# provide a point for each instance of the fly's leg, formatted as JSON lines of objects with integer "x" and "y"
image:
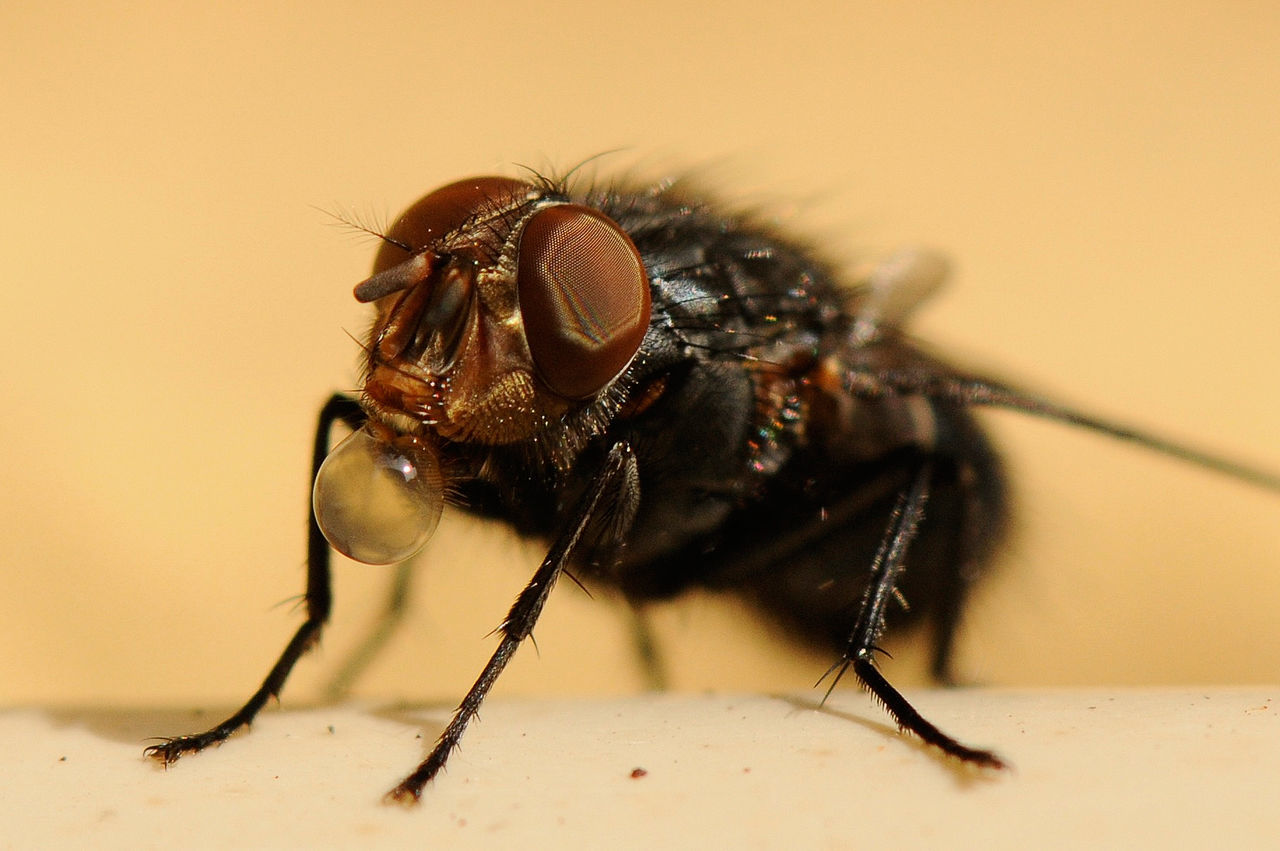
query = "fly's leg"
{"x": 612, "y": 485}
{"x": 860, "y": 653}
{"x": 390, "y": 618}
{"x": 648, "y": 655}
{"x": 319, "y": 600}
{"x": 953, "y": 590}
{"x": 980, "y": 524}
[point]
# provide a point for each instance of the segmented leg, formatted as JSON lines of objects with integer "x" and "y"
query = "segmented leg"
{"x": 319, "y": 600}
{"x": 393, "y": 613}
{"x": 607, "y": 488}
{"x": 648, "y": 655}
{"x": 860, "y": 654}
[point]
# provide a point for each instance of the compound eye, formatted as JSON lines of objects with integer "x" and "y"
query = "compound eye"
{"x": 584, "y": 298}
{"x": 443, "y": 211}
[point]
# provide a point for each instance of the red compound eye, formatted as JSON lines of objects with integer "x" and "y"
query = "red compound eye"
{"x": 584, "y": 298}
{"x": 442, "y": 212}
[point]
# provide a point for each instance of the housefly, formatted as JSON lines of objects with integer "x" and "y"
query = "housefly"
{"x": 670, "y": 397}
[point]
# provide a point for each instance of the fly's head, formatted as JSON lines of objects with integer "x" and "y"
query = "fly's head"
{"x": 501, "y": 308}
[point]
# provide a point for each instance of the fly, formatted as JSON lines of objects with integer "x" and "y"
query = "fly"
{"x": 672, "y": 398}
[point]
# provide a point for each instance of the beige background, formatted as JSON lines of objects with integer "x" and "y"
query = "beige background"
{"x": 175, "y": 307}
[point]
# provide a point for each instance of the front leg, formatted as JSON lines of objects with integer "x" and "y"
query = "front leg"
{"x": 612, "y": 490}
{"x": 860, "y": 654}
{"x": 319, "y": 601}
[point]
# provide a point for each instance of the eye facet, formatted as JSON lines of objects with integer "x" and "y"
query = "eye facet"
{"x": 584, "y": 298}
{"x": 443, "y": 211}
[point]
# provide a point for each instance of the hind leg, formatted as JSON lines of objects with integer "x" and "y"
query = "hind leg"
{"x": 859, "y": 654}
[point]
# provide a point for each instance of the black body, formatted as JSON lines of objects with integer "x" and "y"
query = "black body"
{"x": 752, "y": 479}
{"x": 742, "y": 423}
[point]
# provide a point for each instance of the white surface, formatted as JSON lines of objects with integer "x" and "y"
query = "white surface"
{"x": 1167, "y": 768}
